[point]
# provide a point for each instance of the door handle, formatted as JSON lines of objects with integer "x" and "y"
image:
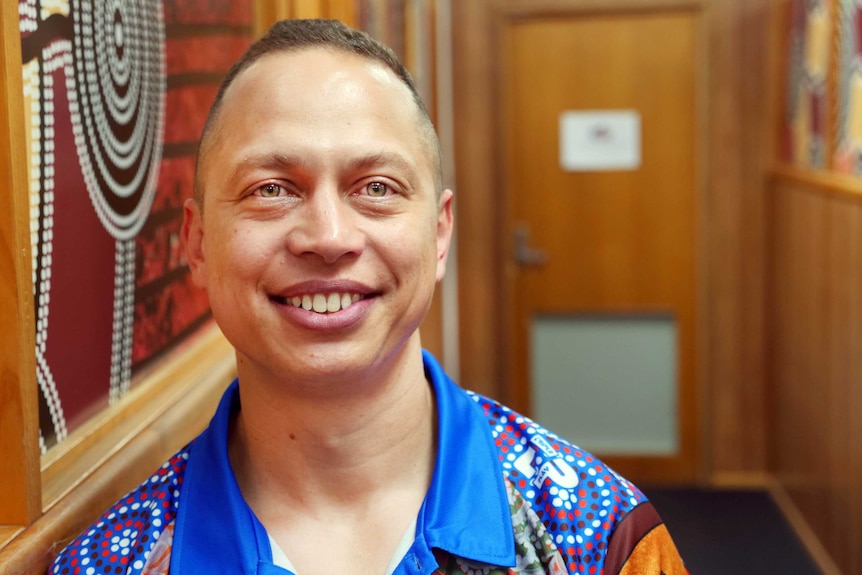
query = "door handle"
{"x": 526, "y": 255}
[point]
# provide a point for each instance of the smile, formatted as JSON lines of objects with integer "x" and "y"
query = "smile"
{"x": 323, "y": 303}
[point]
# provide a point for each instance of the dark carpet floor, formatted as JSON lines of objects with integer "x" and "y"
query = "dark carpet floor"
{"x": 731, "y": 532}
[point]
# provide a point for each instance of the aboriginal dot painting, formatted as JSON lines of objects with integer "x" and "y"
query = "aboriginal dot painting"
{"x": 803, "y": 138}
{"x": 848, "y": 145}
{"x": 115, "y": 96}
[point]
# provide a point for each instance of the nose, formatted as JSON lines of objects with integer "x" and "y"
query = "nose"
{"x": 326, "y": 227}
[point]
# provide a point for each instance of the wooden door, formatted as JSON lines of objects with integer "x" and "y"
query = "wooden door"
{"x": 612, "y": 244}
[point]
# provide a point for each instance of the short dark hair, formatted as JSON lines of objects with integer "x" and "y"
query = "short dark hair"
{"x": 294, "y": 35}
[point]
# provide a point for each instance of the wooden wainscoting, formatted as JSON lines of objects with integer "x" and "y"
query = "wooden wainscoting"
{"x": 815, "y": 365}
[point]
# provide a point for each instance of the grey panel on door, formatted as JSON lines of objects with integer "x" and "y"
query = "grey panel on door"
{"x": 607, "y": 383}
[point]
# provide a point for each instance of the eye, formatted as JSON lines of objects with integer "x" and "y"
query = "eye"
{"x": 270, "y": 190}
{"x": 377, "y": 189}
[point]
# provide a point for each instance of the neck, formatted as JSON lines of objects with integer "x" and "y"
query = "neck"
{"x": 295, "y": 450}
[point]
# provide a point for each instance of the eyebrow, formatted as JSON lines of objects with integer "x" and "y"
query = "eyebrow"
{"x": 381, "y": 159}
{"x": 267, "y": 161}
{"x": 282, "y": 161}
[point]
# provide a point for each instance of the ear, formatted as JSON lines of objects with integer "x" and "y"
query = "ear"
{"x": 193, "y": 240}
{"x": 445, "y": 226}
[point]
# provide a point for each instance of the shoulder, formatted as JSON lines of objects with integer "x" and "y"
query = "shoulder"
{"x": 123, "y": 537}
{"x": 539, "y": 462}
{"x": 590, "y": 513}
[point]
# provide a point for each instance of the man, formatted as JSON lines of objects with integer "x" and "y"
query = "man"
{"x": 319, "y": 230}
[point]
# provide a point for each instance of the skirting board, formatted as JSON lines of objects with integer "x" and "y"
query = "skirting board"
{"x": 794, "y": 517}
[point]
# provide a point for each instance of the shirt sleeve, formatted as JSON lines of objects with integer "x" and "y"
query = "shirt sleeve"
{"x": 642, "y": 545}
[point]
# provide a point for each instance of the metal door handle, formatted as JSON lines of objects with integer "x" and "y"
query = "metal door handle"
{"x": 525, "y": 255}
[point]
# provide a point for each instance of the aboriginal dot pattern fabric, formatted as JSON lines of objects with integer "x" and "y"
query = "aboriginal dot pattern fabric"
{"x": 123, "y": 540}
{"x": 573, "y": 495}
{"x": 563, "y": 521}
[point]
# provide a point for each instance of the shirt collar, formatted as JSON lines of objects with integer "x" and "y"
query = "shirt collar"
{"x": 216, "y": 531}
{"x": 465, "y": 512}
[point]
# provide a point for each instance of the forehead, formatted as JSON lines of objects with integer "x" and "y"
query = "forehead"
{"x": 316, "y": 83}
{"x": 328, "y": 69}
{"x": 315, "y": 100}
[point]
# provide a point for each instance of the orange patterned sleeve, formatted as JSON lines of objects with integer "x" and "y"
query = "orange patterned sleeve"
{"x": 642, "y": 545}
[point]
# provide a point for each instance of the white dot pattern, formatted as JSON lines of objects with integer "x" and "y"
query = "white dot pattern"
{"x": 114, "y": 71}
{"x": 124, "y": 315}
{"x": 27, "y": 16}
{"x": 118, "y": 113}
{"x": 574, "y": 494}
{"x": 126, "y": 534}
{"x": 55, "y": 56}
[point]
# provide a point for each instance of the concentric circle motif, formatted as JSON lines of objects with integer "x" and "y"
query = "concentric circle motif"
{"x": 119, "y": 64}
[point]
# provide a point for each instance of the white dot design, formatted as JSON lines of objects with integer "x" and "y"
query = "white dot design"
{"x": 40, "y": 89}
{"x": 118, "y": 113}
{"x": 513, "y": 433}
{"x": 114, "y": 72}
{"x": 124, "y": 315}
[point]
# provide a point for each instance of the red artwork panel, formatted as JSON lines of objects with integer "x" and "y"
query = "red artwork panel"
{"x": 116, "y": 95}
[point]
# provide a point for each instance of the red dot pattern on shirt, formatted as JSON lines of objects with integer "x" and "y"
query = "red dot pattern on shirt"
{"x": 580, "y": 519}
{"x": 124, "y": 536}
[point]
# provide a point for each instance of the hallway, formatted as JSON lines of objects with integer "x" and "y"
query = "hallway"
{"x": 719, "y": 532}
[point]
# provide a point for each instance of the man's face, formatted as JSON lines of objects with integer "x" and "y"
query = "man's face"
{"x": 318, "y": 192}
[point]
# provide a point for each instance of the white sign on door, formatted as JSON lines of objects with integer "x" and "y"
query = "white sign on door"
{"x": 600, "y": 140}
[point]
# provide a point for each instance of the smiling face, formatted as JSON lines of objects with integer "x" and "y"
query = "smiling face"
{"x": 322, "y": 234}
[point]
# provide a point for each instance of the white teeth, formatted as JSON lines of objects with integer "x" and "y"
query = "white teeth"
{"x": 319, "y": 304}
{"x": 325, "y": 303}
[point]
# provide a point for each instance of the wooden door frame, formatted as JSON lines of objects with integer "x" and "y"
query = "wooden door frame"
{"x": 482, "y": 196}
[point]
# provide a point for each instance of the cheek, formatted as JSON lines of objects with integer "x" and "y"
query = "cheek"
{"x": 235, "y": 255}
{"x": 414, "y": 250}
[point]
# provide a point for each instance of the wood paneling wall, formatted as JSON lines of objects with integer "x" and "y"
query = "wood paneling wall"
{"x": 478, "y": 217}
{"x": 19, "y": 424}
{"x": 815, "y": 334}
{"x": 738, "y": 70}
{"x": 739, "y": 151}
{"x": 267, "y": 12}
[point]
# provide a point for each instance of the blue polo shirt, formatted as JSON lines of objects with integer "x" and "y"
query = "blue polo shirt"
{"x": 465, "y": 513}
{"x": 506, "y": 496}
